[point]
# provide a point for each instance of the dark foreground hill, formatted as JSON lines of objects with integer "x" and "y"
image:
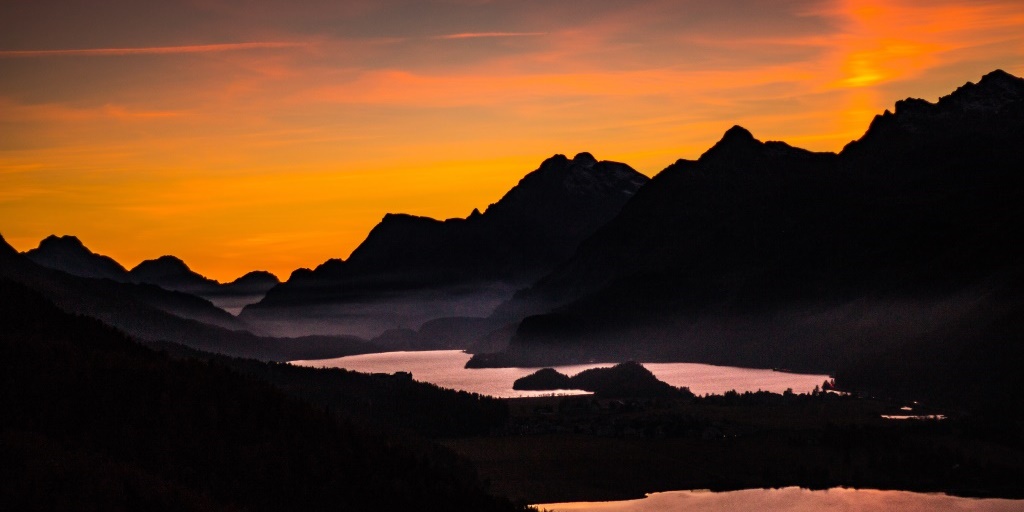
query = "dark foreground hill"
{"x": 410, "y": 270}
{"x": 95, "y": 421}
{"x": 762, "y": 254}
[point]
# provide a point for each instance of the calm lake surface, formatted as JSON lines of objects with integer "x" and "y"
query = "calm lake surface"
{"x": 446, "y": 368}
{"x": 794, "y": 499}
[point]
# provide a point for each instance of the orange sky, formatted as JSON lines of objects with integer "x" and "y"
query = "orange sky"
{"x": 273, "y": 135}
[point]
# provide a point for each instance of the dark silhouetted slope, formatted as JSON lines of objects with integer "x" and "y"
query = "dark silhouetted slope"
{"x": 67, "y": 253}
{"x": 393, "y": 401}
{"x": 536, "y": 225}
{"x": 67, "y": 283}
{"x": 253, "y": 283}
{"x": 171, "y": 273}
{"x": 7, "y": 253}
{"x": 93, "y": 420}
{"x": 248, "y": 289}
{"x": 413, "y": 269}
{"x": 766, "y": 255}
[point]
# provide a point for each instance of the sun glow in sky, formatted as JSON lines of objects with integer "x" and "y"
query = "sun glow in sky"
{"x": 272, "y": 134}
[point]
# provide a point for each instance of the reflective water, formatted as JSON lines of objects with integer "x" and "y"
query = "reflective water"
{"x": 446, "y": 368}
{"x": 794, "y": 499}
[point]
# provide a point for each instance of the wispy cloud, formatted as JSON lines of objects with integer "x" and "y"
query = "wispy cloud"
{"x": 150, "y": 50}
{"x": 55, "y": 112}
{"x": 475, "y": 35}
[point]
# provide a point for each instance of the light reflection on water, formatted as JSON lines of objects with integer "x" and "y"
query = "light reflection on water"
{"x": 446, "y": 368}
{"x": 917, "y": 417}
{"x": 795, "y": 499}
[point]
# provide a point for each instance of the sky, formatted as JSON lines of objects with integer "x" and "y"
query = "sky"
{"x": 274, "y": 134}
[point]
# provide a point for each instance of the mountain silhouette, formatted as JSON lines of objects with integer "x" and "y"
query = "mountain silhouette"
{"x": 762, "y": 254}
{"x": 7, "y": 253}
{"x": 255, "y": 282}
{"x": 170, "y": 273}
{"x": 68, "y": 254}
{"x": 153, "y": 314}
{"x": 413, "y": 269}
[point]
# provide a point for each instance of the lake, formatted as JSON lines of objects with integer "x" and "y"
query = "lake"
{"x": 795, "y": 499}
{"x": 446, "y": 368}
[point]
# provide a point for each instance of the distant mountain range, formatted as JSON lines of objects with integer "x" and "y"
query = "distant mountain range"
{"x": 152, "y": 314}
{"x": 415, "y": 282}
{"x": 411, "y": 270}
{"x": 69, "y": 254}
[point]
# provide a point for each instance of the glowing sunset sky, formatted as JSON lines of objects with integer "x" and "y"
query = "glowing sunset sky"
{"x": 273, "y": 134}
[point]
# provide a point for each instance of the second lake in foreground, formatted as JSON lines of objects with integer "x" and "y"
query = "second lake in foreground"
{"x": 794, "y": 499}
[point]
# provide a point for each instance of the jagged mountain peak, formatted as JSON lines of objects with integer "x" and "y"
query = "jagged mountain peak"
{"x": 999, "y": 75}
{"x": 403, "y": 272}
{"x": 993, "y": 91}
{"x": 584, "y": 177}
{"x": 735, "y": 141}
{"x": 926, "y": 205}
{"x": 739, "y": 148}
{"x": 562, "y": 199}
{"x": 953, "y": 116}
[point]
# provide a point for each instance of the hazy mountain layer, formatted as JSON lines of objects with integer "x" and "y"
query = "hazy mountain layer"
{"x": 410, "y": 270}
{"x": 151, "y": 313}
{"x": 68, "y": 254}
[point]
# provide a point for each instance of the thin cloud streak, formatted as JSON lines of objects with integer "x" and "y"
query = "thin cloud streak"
{"x": 475, "y": 35}
{"x": 152, "y": 50}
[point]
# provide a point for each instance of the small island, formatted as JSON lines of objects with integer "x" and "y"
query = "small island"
{"x": 629, "y": 379}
